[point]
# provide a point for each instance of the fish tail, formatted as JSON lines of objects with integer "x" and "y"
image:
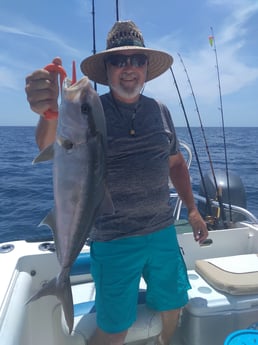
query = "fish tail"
{"x": 62, "y": 290}
{"x": 47, "y": 289}
{"x": 64, "y": 294}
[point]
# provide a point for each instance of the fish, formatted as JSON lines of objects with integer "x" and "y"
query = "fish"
{"x": 79, "y": 183}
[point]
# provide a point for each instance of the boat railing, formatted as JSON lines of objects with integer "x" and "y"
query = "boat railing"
{"x": 250, "y": 217}
{"x": 177, "y": 202}
{"x": 237, "y": 209}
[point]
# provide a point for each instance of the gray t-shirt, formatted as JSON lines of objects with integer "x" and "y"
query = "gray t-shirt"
{"x": 137, "y": 168}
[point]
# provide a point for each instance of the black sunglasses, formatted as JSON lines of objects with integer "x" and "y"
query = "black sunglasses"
{"x": 119, "y": 60}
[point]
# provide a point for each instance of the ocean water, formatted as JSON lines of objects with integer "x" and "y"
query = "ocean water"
{"x": 26, "y": 190}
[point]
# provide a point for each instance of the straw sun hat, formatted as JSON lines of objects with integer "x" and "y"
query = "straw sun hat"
{"x": 125, "y": 36}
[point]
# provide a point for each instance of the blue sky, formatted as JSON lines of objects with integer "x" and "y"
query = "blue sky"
{"x": 33, "y": 32}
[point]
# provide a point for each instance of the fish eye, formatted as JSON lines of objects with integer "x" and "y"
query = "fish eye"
{"x": 67, "y": 144}
{"x": 85, "y": 108}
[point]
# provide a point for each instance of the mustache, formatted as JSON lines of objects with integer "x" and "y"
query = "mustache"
{"x": 128, "y": 75}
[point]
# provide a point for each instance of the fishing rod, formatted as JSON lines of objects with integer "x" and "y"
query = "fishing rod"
{"x": 117, "y": 11}
{"x": 94, "y": 28}
{"x": 222, "y": 211}
{"x": 194, "y": 147}
{"x": 94, "y": 34}
{"x": 213, "y": 43}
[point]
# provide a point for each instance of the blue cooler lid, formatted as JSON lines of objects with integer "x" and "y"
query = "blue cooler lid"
{"x": 246, "y": 336}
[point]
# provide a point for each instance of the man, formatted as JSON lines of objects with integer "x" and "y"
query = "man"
{"x": 139, "y": 238}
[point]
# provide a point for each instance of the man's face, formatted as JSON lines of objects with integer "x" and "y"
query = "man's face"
{"x": 126, "y": 73}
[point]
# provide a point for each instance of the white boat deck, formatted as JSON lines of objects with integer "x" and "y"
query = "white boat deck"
{"x": 41, "y": 322}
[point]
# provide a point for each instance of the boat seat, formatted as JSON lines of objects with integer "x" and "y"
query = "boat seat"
{"x": 236, "y": 275}
{"x": 148, "y": 323}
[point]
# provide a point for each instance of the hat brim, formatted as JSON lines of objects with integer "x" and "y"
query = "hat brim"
{"x": 94, "y": 67}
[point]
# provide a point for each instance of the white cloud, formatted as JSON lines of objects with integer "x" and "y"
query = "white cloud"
{"x": 8, "y": 79}
{"x": 235, "y": 73}
{"x": 28, "y": 29}
{"x": 15, "y": 31}
{"x": 234, "y": 28}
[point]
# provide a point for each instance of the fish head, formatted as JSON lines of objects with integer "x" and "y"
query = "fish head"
{"x": 80, "y": 112}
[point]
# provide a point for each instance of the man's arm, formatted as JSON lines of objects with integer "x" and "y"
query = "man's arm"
{"x": 180, "y": 178}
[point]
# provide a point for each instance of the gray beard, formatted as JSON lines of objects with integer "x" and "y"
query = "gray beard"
{"x": 127, "y": 94}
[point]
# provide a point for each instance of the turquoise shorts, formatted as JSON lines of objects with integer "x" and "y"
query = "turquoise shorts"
{"x": 117, "y": 267}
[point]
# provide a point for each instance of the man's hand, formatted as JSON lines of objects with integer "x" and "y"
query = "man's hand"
{"x": 42, "y": 91}
{"x": 199, "y": 226}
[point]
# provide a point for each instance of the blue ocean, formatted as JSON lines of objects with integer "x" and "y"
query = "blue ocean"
{"x": 26, "y": 190}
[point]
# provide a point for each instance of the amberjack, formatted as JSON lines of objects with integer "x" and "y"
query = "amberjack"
{"x": 79, "y": 182}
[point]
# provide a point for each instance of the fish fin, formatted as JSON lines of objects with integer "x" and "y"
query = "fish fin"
{"x": 49, "y": 220}
{"x": 44, "y": 155}
{"x": 61, "y": 288}
{"x": 47, "y": 289}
